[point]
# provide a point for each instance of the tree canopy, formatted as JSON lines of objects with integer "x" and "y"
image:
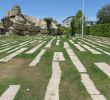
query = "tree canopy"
{"x": 103, "y": 15}
{"x": 48, "y": 22}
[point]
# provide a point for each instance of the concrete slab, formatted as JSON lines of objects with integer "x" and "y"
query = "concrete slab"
{"x": 79, "y": 66}
{"x": 96, "y": 43}
{"x": 35, "y": 48}
{"x": 93, "y": 51}
{"x": 10, "y": 93}
{"x": 107, "y": 53}
{"x": 58, "y": 42}
{"x": 89, "y": 85}
{"x": 58, "y": 56}
{"x": 52, "y": 92}
{"x": 37, "y": 59}
{"x": 98, "y": 97}
{"x": 9, "y": 57}
{"x": 104, "y": 67}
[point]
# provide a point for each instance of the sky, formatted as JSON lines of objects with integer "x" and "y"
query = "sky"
{"x": 58, "y": 9}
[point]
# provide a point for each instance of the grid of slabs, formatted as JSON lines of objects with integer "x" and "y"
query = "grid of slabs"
{"x": 96, "y": 43}
{"x": 9, "y": 57}
{"x": 35, "y": 48}
{"x": 85, "y": 79}
{"x": 105, "y": 52}
{"x": 93, "y": 51}
{"x": 78, "y": 46}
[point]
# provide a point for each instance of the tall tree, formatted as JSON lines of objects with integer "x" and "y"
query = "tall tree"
{"x": 72, "y": 27}
{"x": 48, "y": 22}
{"x": 103, "y": 15}
{"x": 78, "y": 21}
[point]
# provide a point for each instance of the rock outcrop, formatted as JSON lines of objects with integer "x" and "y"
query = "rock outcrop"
{"x": 17, "y": 23}
{"x": 14, "y": 11}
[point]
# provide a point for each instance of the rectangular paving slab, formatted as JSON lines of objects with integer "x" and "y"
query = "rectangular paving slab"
{"x": 58, "y": 56}
{"x": 35, "y": 48}
{"x": 90, "y": 87}
{"x": 10, "y": 93}
{"x": 107, "y": 53}
{"x": 93, "y": 51}
{"x": 37, "y": 59}
{"x": 52, "y": 92}
{"x": 80, "y": 67}
{"x": 9, "y": 57}
{"x": 104, "y": 67}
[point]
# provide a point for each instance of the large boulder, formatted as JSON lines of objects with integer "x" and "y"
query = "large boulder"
{"x": 19, "y": 26}
{"x": 6, "y": 22}
{"x": 15, "y": 11}
{"x": 44, "y": 31}
{"x": 17, "y": 23}
{"x": 33, "y": 28}
{"x": 19, "y": 19}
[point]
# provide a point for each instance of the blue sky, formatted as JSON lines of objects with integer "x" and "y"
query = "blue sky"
{"x": 58, "y": 9}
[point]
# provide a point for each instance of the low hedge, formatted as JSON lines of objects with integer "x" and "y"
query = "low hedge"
{"x": 99, "y": 30}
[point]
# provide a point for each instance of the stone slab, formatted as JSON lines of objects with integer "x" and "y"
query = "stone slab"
{"x": 52, "y": 92}
{"x": 35, "y": 48}
{"x": 10, "y": 93}
{"x": 58, "y": 56}
{"x": 9, "y": 57}
{"x": 104, "y": 67}
{"x": 37, "y": 59}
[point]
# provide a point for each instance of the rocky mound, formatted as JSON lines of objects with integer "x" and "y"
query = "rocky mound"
{"x": 17, "y": 23}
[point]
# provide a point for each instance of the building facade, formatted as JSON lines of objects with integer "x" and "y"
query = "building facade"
{"x": 67, "y": 21}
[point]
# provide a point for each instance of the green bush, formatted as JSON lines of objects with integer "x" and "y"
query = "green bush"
{"x": 99, "y": 30}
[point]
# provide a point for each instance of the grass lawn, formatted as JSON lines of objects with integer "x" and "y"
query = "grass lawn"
{"x": 34, "y": 80}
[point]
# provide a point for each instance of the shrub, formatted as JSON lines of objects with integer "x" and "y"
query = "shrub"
{"x": 99, "y": 30}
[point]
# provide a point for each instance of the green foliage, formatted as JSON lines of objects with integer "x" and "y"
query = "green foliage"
{"x": 49, "y": 22}
{"x": 79, "y": 14}
{"x": 78, "y": 21}
{"x": 72, "y": 28}
{"x": 99, "y": 30}
{"x": 103, "y": 15}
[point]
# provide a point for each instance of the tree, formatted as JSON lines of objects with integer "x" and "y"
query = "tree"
{"x": 72, "y": 27}
{"x": 78, "y": 21}
{"x": 48, "y": 22}
{"x": 103, "y": 15}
